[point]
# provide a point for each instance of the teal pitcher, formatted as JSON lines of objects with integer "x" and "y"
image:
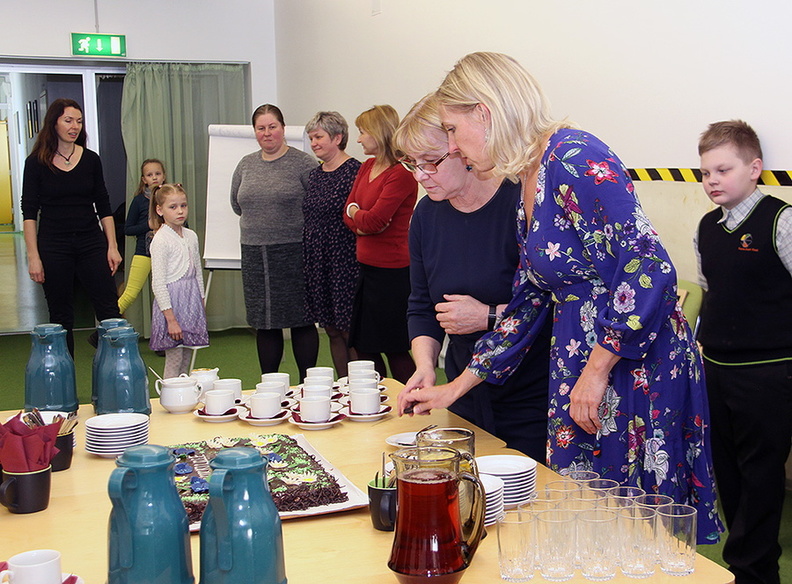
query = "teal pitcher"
{"x": 148, "y": 535}
{"x": 121, "y": 376}
{"x": 49, "y": 375}
{"x": 101, "y": 353}
{"x": 241, "y": 536}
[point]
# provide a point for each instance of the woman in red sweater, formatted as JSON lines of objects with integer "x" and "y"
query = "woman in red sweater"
{"x": 378, "y": 211}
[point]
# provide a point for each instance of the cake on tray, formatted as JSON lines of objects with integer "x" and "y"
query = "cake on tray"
{"x": 297, "y": 480}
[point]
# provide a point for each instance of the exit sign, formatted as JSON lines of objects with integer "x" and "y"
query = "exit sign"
{"x": 98, "y": 45}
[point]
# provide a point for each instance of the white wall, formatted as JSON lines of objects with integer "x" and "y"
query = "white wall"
{"x": 645, "y": 77}
{"x": 161, "y": 30}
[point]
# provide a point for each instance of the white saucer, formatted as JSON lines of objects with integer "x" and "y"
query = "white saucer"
{"x": 216, "y": 419}
{"x": 366, "y": 417}
{"x": 345, "y": 399}
{"x": 280, "y": 417}
{"x": 317, "y": 425}
{"x": 403, "y": 440}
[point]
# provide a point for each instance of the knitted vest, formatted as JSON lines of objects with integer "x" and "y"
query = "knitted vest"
{"x": 747, "y": 312}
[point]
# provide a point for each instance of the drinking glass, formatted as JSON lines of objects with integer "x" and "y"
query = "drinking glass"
{"x": 561, "y": 489}
{"x": 623, "y": 496}
{"x": 597, "y": 544}
{"x": 638, "y": 543}
{"x": 676, "y": 534}
{"x": 556, "y": 554}
{"x": 516, "y": 546}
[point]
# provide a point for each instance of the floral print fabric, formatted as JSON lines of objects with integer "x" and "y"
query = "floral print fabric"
{"x": 591, "y": 261}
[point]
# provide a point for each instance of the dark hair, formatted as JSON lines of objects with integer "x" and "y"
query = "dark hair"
{"x": 331, "y": 122}
{"x": 734, "y": 132}
{"x": 142, "y": 184}
{"x": 267, "y": 108}
{"x": 158, "y": 196}
{"x": 47, "y": 140}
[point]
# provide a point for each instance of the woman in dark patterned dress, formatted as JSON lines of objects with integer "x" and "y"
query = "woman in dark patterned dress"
{"x": 331, "y": 268}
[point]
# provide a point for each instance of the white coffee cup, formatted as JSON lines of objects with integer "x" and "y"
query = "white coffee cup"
{"x": 363, "y": 384}
{"x": 179, "y": 399}
{"x": 315, "y": 408}
{"x": 269, "y": 386}
{"x": 233, "y": 384}
{"x": 34, "y": 567}
{"x": 320, "y": 372}
{"x": 360, "y": 365}
{"x": 324, "y": 380}
{"x": 218, "y": 401}
{"x": 266, "y": 404}
{"x": 363, "y": 374}
{"x": 317, "y": 390}
{"x": 364, "y": 401}
{"x": 277, "y": 376}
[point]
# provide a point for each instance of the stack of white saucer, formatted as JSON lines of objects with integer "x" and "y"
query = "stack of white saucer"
{"x": 518, "y": 474}
{"x": 493, "y": 491}
{"x": 109, "y": 435}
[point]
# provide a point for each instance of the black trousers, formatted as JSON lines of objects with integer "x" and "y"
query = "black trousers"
{"x": 77, "y": 257}
{"x": 751, "y": 418}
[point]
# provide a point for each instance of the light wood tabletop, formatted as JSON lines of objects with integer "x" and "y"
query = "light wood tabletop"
{"x": 341, "y": 547}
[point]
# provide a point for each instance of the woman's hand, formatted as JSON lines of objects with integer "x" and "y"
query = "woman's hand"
{"x": 421, "y": 400}
{"x": 420, "y": 379}
{"x": 586, "y": 396}
{"x": 113, "y": 259}
{"x": 36, "y": 270}
{"x": 462, "y": 314}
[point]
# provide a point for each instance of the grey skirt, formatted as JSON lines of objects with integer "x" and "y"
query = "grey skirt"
{"x": 274, "y": 285}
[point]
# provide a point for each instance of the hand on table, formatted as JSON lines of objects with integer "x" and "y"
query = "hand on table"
{"x": 422, "y": 400}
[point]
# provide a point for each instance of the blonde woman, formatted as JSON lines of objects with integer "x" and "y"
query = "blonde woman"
{"x": 626, "y": 392}
{"x": 378, "y": 211}
{"x": 459, "y": 279}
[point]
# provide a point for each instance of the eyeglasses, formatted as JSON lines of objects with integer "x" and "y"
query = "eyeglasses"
{"x": 425, "y": 167}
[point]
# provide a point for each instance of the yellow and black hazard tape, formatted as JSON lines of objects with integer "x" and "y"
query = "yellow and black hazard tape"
{"x": 769, "y": 177}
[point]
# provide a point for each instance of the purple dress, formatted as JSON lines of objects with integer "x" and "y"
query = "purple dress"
{"x": 331, "y": 268}
{"x": 592, "y": 250}
{"x": 188, "y": 308}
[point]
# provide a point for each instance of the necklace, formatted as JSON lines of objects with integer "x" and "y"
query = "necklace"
{"x": 67, "y": 158}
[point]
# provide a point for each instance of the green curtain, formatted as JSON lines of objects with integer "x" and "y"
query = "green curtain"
{"x": 165, "y": 113}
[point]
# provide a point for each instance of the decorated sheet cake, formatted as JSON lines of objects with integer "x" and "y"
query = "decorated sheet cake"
{"x": 301, "y": 482}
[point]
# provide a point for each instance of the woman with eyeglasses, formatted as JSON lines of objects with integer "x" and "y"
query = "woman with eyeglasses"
{"x": 463, "y": 256}
{"x": 378, "y": 211}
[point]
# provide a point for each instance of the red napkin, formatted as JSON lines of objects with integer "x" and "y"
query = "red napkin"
{"x": 24, "y": 449}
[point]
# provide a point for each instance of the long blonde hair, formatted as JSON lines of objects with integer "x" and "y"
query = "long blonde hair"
{"x": 520, "y": 113}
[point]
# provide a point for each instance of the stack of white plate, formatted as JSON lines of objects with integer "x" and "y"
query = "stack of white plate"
{"x": 518, "y": 474}
{"x": 493, "y": 490}
{"x": 109, "y": 435}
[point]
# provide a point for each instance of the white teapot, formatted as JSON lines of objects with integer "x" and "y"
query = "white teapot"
{"x": 178, "y": 395}
{"x": 206, "y": 377}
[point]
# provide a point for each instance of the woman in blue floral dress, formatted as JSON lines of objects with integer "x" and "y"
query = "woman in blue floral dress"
{"x": 626, "y": 395}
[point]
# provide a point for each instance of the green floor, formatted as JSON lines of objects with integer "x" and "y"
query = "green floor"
{"x": 234, "y": 352}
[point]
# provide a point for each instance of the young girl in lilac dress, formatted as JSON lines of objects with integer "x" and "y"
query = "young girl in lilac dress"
{"x": 178, "y": 319}
{"x": 626, "y": 395}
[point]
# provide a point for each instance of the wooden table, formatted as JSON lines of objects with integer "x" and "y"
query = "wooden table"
{"x": 338, "y": 548}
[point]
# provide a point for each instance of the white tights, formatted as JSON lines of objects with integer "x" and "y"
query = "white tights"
{"x": 177, "y": 361}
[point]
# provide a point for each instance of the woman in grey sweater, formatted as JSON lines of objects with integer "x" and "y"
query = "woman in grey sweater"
{"x": 267, "y": 191}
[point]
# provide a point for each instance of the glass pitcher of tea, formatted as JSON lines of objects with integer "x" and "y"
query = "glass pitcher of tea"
{"x": 432, "y": 542}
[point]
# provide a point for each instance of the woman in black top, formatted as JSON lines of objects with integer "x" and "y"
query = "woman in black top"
{"x": 64, "y": 199}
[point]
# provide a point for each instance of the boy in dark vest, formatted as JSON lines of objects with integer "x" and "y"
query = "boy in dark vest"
{"x": 745, "y": 266}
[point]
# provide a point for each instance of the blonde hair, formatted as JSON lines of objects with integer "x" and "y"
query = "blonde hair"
{"x": 422, "y": 122}
{"x": 380, "y": 123}
{"x": 158, "y": 197}
{"x": 520, "y": 113}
